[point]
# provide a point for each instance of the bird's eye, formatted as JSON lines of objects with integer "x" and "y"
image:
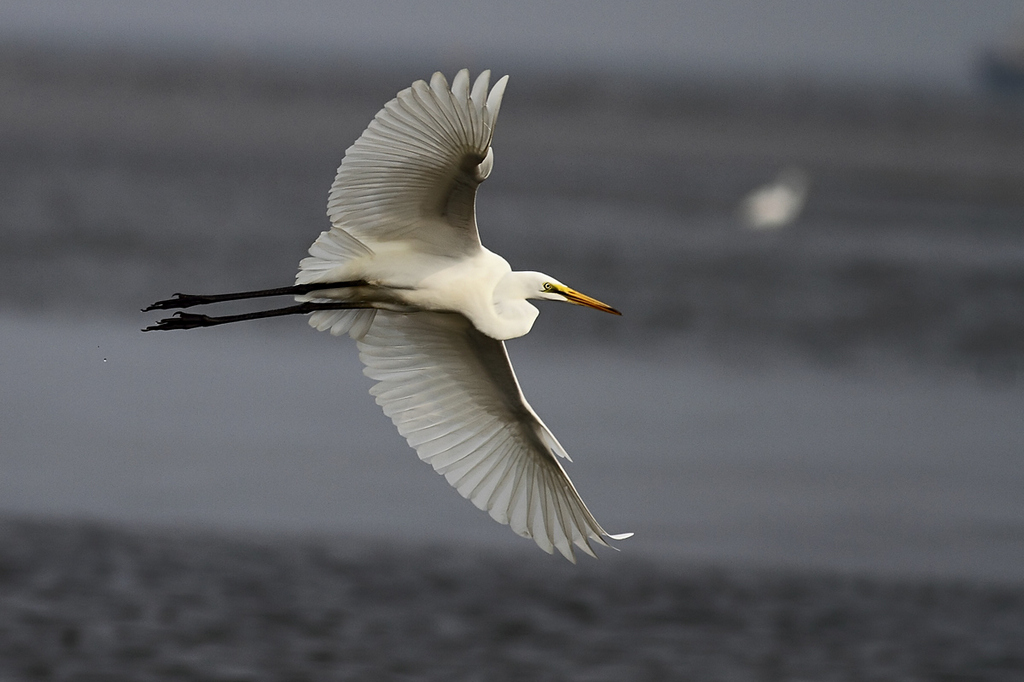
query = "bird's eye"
{"x": 548, "y": 287}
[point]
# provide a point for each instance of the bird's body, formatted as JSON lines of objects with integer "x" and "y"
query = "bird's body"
{"x": 403, "y": 272}
{"x": 482, "y": 287}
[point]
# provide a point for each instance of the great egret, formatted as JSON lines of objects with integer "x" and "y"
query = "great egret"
{"x": 778, "y": 203}
{"x": 403, "y": 272}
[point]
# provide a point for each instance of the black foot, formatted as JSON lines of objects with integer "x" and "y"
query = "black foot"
{"x": 182, "y": 321}
{"x": 182, "y": 301}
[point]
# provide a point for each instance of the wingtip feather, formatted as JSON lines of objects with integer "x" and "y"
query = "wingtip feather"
{"x": 480, "y": 87}
{"x": 494, "y": 97}
{"x": 460, "y": 85}
{"x": 439, "y": 84}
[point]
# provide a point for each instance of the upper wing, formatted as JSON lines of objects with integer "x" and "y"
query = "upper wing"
{"x": 451, "y": 392}
{"x": 413, "y": 173}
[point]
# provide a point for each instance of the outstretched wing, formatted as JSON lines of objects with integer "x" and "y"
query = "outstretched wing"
{"x": 452, "y": 394}
{"x": 413, "y": 173}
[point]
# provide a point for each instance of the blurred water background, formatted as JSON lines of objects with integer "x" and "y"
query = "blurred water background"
{"x": 816, "y": 431}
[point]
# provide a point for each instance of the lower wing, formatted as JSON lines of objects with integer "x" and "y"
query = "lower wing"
{"x": 452, "y": 394}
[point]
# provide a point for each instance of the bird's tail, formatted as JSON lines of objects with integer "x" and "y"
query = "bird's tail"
{"x": 328, "y": 256}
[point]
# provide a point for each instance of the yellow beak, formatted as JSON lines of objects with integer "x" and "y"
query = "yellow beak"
{"x": 573, "y": 296}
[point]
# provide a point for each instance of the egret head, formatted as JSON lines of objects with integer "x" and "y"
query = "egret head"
{"x": 514, "y": 315}
{"x": 550, "y": 289}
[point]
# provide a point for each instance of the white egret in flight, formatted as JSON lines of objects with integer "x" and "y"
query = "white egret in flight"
{"x": 778, "y": 203}
{"x": 402, "y": 271}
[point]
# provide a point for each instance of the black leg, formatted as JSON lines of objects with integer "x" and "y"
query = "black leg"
{"x": 189, "y": 300}
{"x": 192, "y": 321}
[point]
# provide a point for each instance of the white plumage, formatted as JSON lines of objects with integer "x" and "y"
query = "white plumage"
{"x": 404, "y": 273}
{"x": 452, "y": 394}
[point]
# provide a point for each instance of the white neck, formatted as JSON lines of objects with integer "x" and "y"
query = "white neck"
{"x": 513, "y": 316}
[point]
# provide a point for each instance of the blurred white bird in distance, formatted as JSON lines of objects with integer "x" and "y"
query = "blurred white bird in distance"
{"x": 778, "y": 203}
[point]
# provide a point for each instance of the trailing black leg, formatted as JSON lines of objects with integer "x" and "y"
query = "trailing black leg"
{"x": 189, "y": 300}
{"x": 192, "y": 320}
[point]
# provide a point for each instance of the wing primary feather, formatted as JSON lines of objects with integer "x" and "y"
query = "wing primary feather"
{"x": 429, "y": 106}
{"x": 438, "y": 83}
{"x": 565, "y": 523}
{"x": 564, "y": 532}
{"x": 547, "y": 509}
{"x": 485, "y": 460}
{"x": 500, "y": 469}
{"x": 477, "y": 111}
{"x": 518, "y": 504}
{"x": 449, "y": 106}
{"x": 460, "y": 85}
{"x": 531, "y": 509}
{"x": 480, "y": 86}
{"x": 494, "y": 98}
{"x": 445, "y": 462}
{"x": 428, "y": 448}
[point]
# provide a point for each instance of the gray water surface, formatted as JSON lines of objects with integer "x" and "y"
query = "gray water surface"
{"x": 271, "y": 429}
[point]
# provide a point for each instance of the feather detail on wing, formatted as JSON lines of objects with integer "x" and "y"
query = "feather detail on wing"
{"x": 354, "y": 322}
{"x": 452, "y": 394}
{"x": 412, "y": 175}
